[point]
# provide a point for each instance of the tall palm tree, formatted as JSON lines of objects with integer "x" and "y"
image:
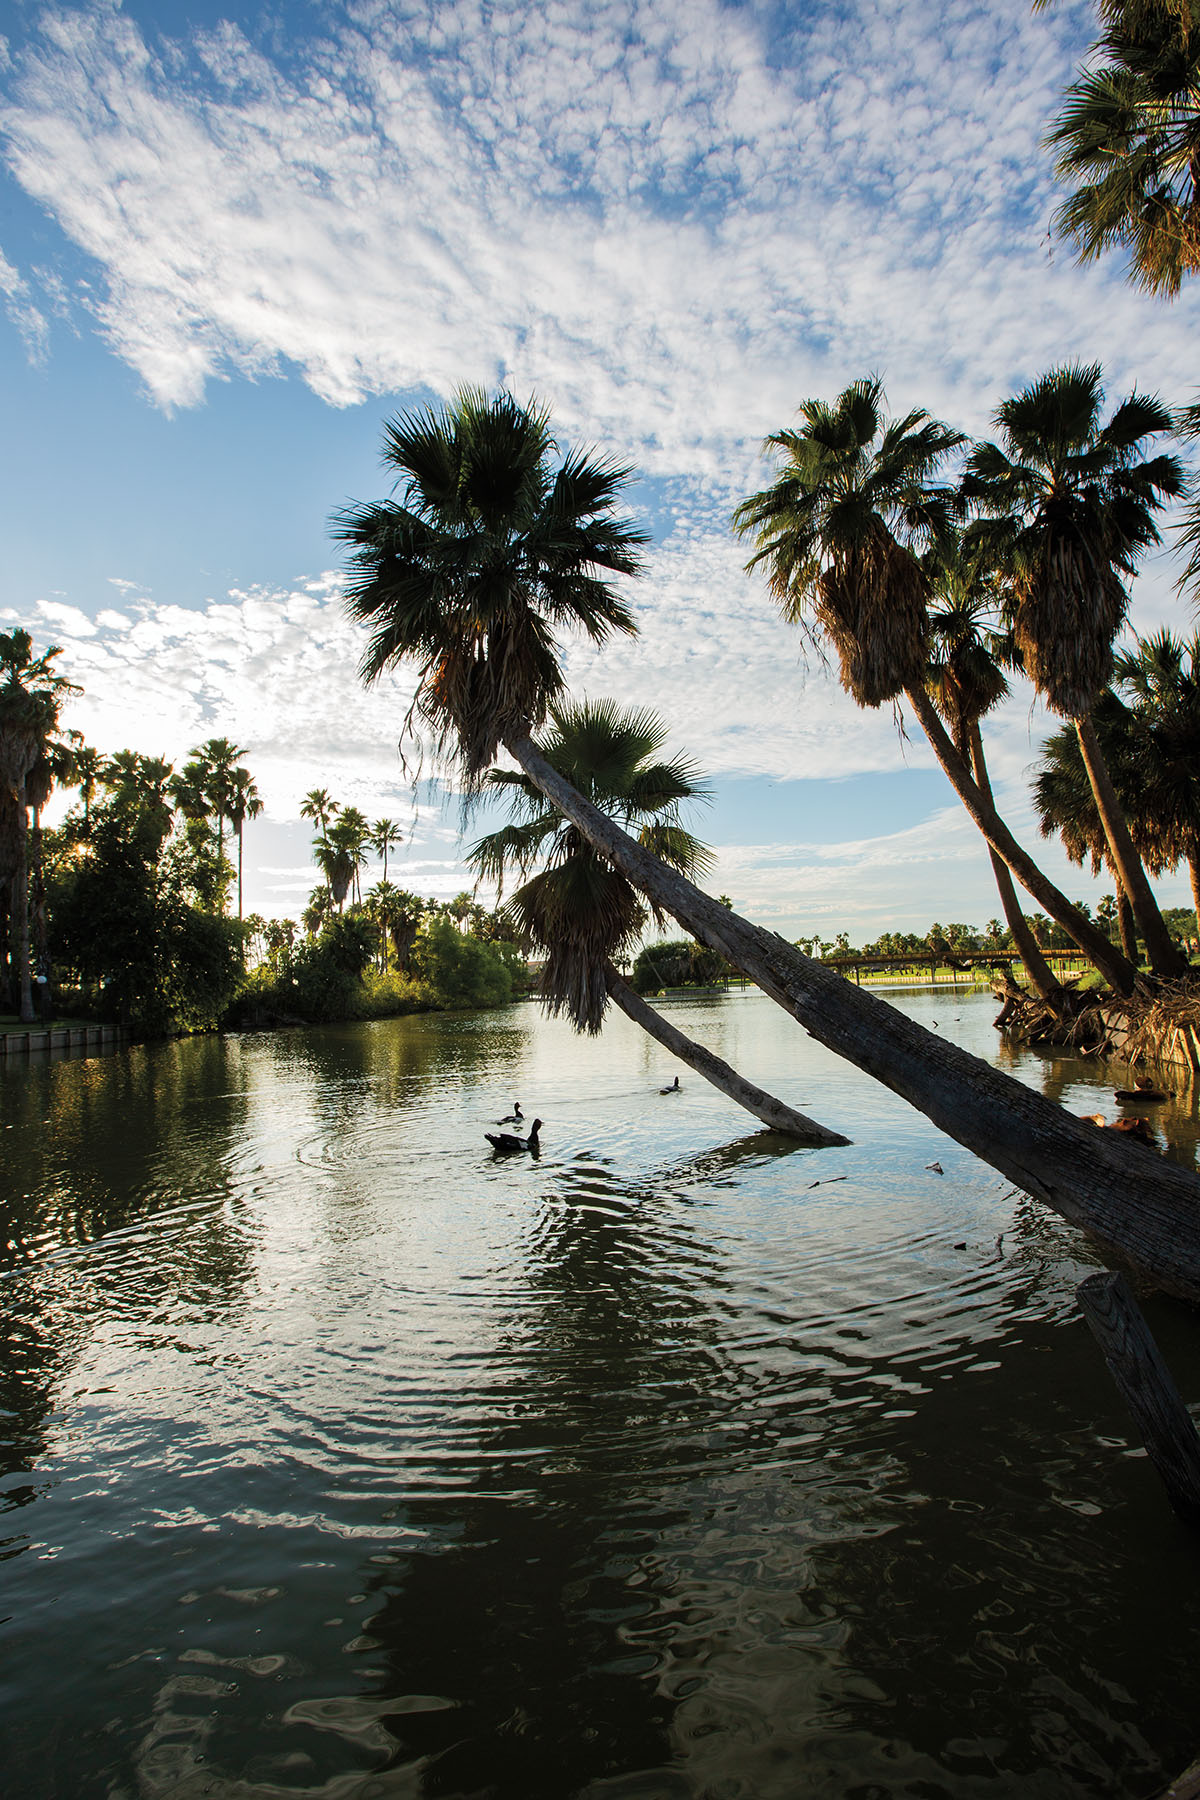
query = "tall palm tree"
{"x": 1128, "y": 138}
{"x": 1070, "y": 504}
{"x": 31, "y": 695}
{"x": 965, "y": 681}
{"x": 218, "y": 760}
{"x": 475, "y": 689}
{"x": 581, "y": 911}
{"x": 385, "y": 835}
{"x": 839, "y": 531}
{"x": 244, "y": 802}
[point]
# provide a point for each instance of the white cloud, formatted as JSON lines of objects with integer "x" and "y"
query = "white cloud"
{"x": 672, "y": 219}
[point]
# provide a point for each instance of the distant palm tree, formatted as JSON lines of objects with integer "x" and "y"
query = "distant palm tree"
{"x": 150, "y": 782}
{"x": 1071, "y": 504}
{"x": 89, "y": 765}
{"x": 385, "y": 834}
{"x": 581, "y": 911}
{"x": 350, "y": 836}
{"x": 1129, "y": 139}
{"x": 839, "y": 532}
{"x": 319, "y": 806}
{"x": 244, "y": 803}
{"x": 31, "y": 695}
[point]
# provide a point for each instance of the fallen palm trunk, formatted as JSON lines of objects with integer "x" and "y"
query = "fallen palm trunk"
{"x": 773, "y": 1113}
{"x": 1144, "y": 1207}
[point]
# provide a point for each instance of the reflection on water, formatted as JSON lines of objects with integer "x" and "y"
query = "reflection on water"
{"x": 343, "y": 1459}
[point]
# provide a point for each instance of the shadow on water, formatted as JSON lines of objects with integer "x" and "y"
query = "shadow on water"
{"x": 522, "y": 1617}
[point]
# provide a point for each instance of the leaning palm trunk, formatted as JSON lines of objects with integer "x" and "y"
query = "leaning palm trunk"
{"x": 1193, "y": 863}
{"x": 773, "y": 1113}
{"x": 1164, "y": 957}
{"x": 1116, "y": 970}
{"x": 1141, "y": 1206}
{"x": 1125, "y": 922}
{"x": 1041, "y": 976}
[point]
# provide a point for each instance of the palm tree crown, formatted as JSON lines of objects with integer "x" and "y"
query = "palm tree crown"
{"x": 491, "y": 550}
{"x": 1129, "y": 140}
{"x": 1071, "y": 505}
{"x": 836, "y": 531}
{"x": 579, "y": 909}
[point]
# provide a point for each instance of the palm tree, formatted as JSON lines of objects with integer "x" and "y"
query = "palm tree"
{"x": 244, "y": 803}
{"x": 429, "y": 595}
{"x": 319, "y": 805}
{"x": 1071, "y": 504}
{"x": 31, "y": 695}
{"x": 349, "y": 837}
{"x": 490, "y": 552}
{"x": 89, "y": 767}
{"x": 581, "y": 911}
{"x": 965, "y": 681}
{"x": 1159, "y": 679}
{"x": 150, "y": 783}
{"x": 1128, "y": 139}
{"x": 839, "y": 531}
{"x": 218, "y": 760}
{"x": 385, "y": 834}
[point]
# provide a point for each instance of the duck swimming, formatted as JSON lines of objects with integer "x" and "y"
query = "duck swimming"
{"x": 673, "y": 1089}
{"x": 515, "y": 1117}
{"x": 505, "y": 1144}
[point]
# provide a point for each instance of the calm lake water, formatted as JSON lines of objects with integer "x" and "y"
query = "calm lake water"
{"x": 342, "y": 1460}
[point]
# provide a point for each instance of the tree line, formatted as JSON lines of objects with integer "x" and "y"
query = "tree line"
{"x": 125, "y": 911}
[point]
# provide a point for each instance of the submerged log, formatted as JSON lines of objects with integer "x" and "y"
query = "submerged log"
{"x": 1146, "y": 1208}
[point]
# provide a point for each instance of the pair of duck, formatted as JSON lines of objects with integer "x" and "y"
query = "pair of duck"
{"x": 507, "y": 1142}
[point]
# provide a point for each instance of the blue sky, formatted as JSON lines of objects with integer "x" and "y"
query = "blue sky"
{"x": 233, "y": 240}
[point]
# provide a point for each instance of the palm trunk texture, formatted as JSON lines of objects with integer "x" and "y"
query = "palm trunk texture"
{"x": 1041, "y": 976}
{"x": 773, "y": 1113}
{"x": 1125, "y": 922}
{"x": 1163, "y": 956}
{"x": 1116, "y": 970}
{"x": 1140, "y": 1205}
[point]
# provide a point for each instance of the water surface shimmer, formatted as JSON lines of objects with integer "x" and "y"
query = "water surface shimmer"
{"x": 341, "y": 1460}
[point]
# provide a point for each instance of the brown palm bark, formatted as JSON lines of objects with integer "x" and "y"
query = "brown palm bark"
{"x": 1163, "y": 956}
{"x": 1041, "y": 976}
{"x": 1125, "y": 922}
{"x": 1139, "y": 1205}
{"x": 773, "y": 1113}
{"x": 1116, "y": 970}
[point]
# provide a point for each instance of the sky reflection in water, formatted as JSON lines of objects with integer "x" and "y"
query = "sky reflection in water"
{"x": 345, "y": 1460}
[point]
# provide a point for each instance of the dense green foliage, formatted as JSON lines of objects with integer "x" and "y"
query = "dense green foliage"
{"x": 126, "y": 929}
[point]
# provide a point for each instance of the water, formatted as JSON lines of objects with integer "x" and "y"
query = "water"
{"x": 344, "y": 1461}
